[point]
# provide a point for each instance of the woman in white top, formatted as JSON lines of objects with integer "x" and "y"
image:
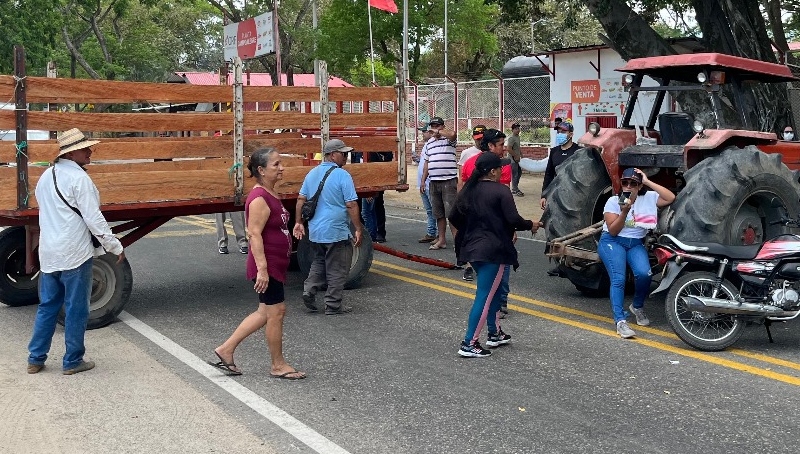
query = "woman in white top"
{"x": 628, "y": 217}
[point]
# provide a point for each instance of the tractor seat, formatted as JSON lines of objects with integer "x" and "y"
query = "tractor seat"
{"x": 675, "y": 128}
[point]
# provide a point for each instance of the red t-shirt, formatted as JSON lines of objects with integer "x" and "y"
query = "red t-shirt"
{"x": 469, "y": 166}
{"x": 276, "y": 237}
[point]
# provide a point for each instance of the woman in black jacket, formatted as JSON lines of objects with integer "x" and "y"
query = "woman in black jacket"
{"x": 486, "y": 218}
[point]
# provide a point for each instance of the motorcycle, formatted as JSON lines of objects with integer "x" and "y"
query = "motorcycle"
{"x": 716, "y": 289}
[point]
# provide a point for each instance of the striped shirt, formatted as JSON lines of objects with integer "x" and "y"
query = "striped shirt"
{"x": 441, "y": 157}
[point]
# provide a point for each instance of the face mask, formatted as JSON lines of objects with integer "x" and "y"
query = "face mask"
{"x": 788, "y": 135}
{"x": 561, "y": 138}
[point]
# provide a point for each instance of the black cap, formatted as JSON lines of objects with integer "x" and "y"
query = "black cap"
{"x": 491, "y": 136}
{"x": 488, "y": 161}
{"x": 630, "y": 174}
{"x": 436, "y": 121}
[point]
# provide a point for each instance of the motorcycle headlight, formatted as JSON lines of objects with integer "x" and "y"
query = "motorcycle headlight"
{"x": 702, "y": 78}
{"x": 698, "y": 127}
{"x": 594, "y": 128}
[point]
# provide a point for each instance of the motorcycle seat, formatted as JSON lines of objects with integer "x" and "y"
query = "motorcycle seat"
{"x": 734, "y": 252}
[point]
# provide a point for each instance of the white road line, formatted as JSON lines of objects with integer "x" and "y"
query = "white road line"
{"x": 265, "y": 408}
{"x": 519, "y": 236}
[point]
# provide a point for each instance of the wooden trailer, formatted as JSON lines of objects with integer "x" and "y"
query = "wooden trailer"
{"x": 145, "y": 181}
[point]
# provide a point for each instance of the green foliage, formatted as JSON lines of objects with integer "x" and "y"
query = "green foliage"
{"x": 33, "y": 24}
{"x": 361, "y": 74}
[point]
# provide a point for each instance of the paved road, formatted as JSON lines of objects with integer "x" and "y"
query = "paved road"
{"x": 386, "y": 378}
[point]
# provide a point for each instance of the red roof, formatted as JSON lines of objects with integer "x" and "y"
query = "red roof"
{"x": 258, "y": 79}
{"x": 685, "y": 67}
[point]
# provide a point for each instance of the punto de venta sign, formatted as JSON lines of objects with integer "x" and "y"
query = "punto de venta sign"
{"x": 250, "y": 38}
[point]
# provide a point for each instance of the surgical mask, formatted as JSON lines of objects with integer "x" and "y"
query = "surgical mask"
{"x": 788, "y": 135}
{"x": 561, "y": 138}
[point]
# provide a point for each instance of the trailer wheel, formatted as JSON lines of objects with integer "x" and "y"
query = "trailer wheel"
{"x": 17, "y": 288}
{"x": 111, "y": 288}
{"x": 575, "y": 199}
{"x": 728, "y": 197}
{"x": 359, "y": 266}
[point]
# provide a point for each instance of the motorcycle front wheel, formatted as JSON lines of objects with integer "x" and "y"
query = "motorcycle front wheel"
{"x": 706, "y": 331}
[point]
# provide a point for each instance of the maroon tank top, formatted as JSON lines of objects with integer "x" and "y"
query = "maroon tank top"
{"x": 276, "y": 237}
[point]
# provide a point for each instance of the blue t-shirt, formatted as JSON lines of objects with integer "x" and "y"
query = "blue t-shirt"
{"x": 331, "y": 222}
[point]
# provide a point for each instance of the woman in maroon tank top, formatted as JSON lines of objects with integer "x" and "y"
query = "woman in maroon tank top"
{"x": 267, "y": 262}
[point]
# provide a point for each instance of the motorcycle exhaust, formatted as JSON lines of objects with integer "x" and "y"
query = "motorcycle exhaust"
{"x": 720, "y": 306}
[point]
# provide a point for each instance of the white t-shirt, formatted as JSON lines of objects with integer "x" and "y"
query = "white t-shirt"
{"x": 466, "y": 154}
{"x": 641, "y": 213}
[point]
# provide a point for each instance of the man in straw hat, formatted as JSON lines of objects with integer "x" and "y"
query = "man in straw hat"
{"x": 69, "y": 217}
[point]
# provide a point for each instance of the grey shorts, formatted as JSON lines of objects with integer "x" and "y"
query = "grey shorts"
{"x": 442, "y": 196}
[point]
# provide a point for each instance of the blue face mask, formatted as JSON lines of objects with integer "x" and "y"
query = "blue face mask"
{"x": 561, "y": 138}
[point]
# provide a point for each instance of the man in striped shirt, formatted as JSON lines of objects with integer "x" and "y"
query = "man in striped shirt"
{"x": 441, "y": 166}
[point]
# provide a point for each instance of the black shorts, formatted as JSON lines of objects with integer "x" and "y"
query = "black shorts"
{"x": 274, "y": 293}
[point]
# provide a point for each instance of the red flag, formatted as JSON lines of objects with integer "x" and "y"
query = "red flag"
{"x": 385, "y": 5}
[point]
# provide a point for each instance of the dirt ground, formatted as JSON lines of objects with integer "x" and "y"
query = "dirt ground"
{"x": 530, "y": 184}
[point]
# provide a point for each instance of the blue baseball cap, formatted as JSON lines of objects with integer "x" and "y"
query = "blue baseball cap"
{"x": 630, "y": 174}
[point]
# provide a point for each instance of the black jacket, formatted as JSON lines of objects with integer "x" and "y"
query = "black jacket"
{"x": 557, "y": 156}
{"x": 486, "y": 230}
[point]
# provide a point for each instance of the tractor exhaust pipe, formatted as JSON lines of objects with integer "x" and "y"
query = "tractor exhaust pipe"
{"x": 720, "y": 306}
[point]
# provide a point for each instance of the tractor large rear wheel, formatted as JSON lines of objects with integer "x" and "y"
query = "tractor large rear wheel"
{"x": 728, "y": 198}
{"x": 575, "y": 199}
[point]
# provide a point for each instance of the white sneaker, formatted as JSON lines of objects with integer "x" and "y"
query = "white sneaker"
{"x": 641, "y": 317}
{"x": 624, "y": 330}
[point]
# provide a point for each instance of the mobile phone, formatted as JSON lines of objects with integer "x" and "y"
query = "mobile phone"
{"x": 623, "y": 197}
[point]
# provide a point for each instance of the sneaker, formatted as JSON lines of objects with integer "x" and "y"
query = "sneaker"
{"x": 554, "y": 272}
{"x": 243, "y": 250}
{"x": 519, "y": 193}
{"x": 339, "y": 310}
{"x": 428, "y": 238}
{"x": 308, "y": 300}
{"x": 469, "y": 274}
{"x": 35, "y": 368}
{"x": 380, "y": 239}
{"x": 223, "y": 250}
{"x": 624, "y": 330}
{"x": 473, "y": 350}
{"x": 82, "y": 367}
{"x": 498, "y": 339}
{"x": 641, "y": 317}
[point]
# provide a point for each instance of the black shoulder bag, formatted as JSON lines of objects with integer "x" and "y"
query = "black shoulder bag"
{"x": 310, "y": 206}
{"x": 95, "y": 242}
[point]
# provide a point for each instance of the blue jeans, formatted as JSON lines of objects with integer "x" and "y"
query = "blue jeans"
{"x": 71, "y": 289}
{"x": 426, "y": 203}
{"x": 368, "y": 214}
{"x": 490, "y": 278}
{"x": 616, "y": 252}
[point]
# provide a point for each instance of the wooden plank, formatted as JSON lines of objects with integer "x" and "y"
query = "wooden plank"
{"x": 130, "y": 122}
{"x": 58, "y": 90}
{"x": 186, "y": 180}
{"x": 280, "y": 94}
{"x": 69, "y": 91}
{"x": 194, "y": 147}
{"x": 361, "y": 94}
{"x": 364, "y": 176}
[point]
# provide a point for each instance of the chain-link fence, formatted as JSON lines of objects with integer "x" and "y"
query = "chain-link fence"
{"x": 494, "y": 103}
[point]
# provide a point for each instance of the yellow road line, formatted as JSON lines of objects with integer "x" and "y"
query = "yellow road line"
{"x": 589, "y": 315}
{"x": 168, "y": 233}
{"x": 607, "y": 332}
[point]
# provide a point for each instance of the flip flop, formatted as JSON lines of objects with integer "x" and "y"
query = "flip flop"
{"x": 225, "y": 367}
{"x": 286, "y": 375}
{"x": 434, "y": 247}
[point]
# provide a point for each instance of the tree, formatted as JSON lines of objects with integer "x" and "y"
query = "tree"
{"x": 472, "y": 42}
{"x": 32, "y": 23}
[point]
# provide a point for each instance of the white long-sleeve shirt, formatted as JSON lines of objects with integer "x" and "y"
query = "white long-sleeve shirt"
{"x": 64, "y": 241}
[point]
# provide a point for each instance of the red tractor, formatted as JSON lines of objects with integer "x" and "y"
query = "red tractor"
{"x": 725, "y": 174}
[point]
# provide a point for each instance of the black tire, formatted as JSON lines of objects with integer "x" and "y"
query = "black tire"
{"x": 359, "y": 266}
{"x": 727, "y": 198}
{"x": 112, "y": 283}
{"x": 709, "y": 332}
{"x": 575, "y": 199}
{"x": 17, "y": 288}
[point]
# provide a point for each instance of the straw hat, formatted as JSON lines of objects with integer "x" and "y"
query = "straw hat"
{"x": 73, "y": 140}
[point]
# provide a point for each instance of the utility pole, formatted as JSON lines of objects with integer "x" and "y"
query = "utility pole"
{"x": 445, "y": 36}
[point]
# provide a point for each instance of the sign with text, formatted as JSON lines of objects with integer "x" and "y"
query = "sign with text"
{"x": 249, "y": 39}
{"x": 585, "y": 90}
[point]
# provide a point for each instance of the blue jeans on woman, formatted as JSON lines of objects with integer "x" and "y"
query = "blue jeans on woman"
{"x": 616, "y": 252}
{"x": 491, "y": 278}
{"x": 71, "y": 289}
